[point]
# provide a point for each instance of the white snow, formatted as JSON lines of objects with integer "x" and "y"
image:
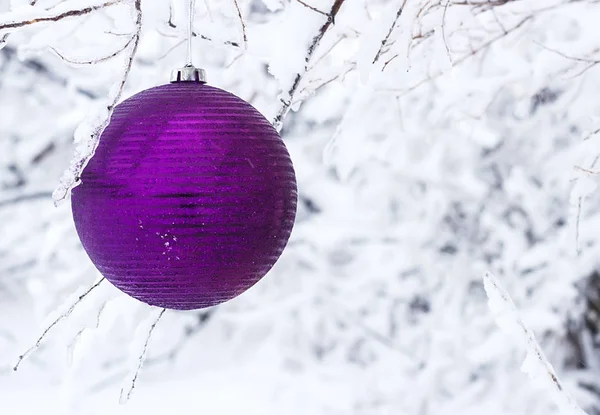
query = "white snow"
{"x": 536, "y": 365}
{"x": 432, "y": 175}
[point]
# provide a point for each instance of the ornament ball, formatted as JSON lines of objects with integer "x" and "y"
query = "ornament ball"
{"x": 189, "y": 199}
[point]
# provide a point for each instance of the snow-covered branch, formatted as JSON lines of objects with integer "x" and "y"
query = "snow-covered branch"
{"x": 386, "y": 39}
{"x": 15, "y": 20}
{"x": 288, "y": 100}
{"x": 69, "y": 308}
{"x": 140, "y": 357}
{"x": 536, "y": 365}
{"x": 465, "y": 57}
{"x": 242, "y": 22}
{"x": 88, "y": 134}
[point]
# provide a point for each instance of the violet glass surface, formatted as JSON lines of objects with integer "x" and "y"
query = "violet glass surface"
{"x": 190, "y": 198}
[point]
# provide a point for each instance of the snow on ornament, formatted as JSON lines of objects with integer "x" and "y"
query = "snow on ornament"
{"x": 190, "y": 197}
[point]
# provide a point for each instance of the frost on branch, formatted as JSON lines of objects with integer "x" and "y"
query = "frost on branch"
{"x": 88, "y": 133}
{"x": 536, "y": 365}
{"x": 288, "y": 97}
{"x": 138, "y": 354}
{"x": 63, "y": 313}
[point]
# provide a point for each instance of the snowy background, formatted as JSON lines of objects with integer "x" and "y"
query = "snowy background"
{"x": 433, "y": 140}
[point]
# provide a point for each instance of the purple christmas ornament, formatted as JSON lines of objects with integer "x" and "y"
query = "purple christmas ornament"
{"x": 189, "y": 199}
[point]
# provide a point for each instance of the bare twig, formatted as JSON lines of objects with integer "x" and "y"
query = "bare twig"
{"x": 313, "y": 8}
{"x": 316, "y": 61}
{"x": 390, "y": 60}
{"x": 93, "y": 61}
{"x": 58, "y": 16}
{"x": 287, "y": 102}
{"x": 590, "y": 135}
{"x": 124, "y": 398}
{"x": 73, "y": 343}
{"x": 322, "y": 83}
{"x": 72, "y": 176}
{"x": 584, "y": 70}
{"x": 181, "y": 42}
{"x": 243, "y": 24}
{"x": 170, "y": 21}
{"x": 584, "y": 170}
{"x": 203, "y": 317}
{"x": 444, "y": 29}
{"x": 493, "y": 40}
{"x": 4, "y": 39}
{"x": 131, "y": 57}
{"x": 386, "y": 39}
{"x": 497, "y": 19}
{"x": 226, "y": 43}
{"x": 465, "y": 57}
{"x": 194, "y": 34}
{"x": 589, "y": 170}
{"x": 564, "y": 55}
{"x": 64, "y": 315}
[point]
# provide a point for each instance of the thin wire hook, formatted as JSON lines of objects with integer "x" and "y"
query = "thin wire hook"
{"x": 190, "y": 34}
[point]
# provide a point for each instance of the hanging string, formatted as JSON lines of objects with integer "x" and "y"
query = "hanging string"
{"x": 190, "y": 34}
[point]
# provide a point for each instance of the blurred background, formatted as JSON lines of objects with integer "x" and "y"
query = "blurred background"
{"x": 432, "y": 139}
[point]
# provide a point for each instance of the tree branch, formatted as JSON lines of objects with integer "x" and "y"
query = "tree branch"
{"x": 97, "y": 60}
{"x": 131, "y": 57}
{"x": 444, "y": 30}
{"x": 72, "y": 176}
{"x": 588, "y": 171}
{"x": 566, "y": 56}
{"x": 64, "y": 315}
{"x": 124, "y": 398}
{"x": 465, "y": 57}
{"x": 536, "y": 365}
{"x": 386, "y": 39}
{"x": 58, "y": 16}
{"x": 313, "y": 8}
{"x": 203, "y": 317}
{"x": 239, "y": 12}
{"x": 287, "y": 103}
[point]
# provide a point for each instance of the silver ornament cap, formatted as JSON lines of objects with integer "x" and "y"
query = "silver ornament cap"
{"x": 188, "y": 73}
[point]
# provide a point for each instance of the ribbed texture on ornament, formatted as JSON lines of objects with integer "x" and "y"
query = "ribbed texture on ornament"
{"x": 190, "y": 198}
